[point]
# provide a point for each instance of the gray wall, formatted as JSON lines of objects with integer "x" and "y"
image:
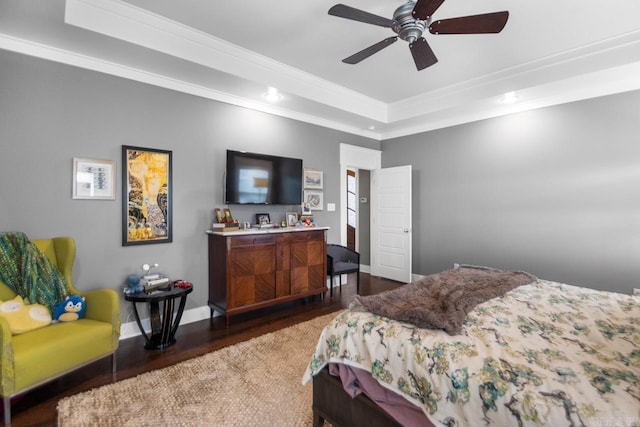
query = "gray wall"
{"x": 50, "y": 113}
{"x": 554, "y": 191}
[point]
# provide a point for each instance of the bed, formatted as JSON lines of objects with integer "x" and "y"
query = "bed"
{"x": 540, "y": 353}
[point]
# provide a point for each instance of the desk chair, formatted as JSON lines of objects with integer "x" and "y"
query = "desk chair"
{"x": 342, "y": 260}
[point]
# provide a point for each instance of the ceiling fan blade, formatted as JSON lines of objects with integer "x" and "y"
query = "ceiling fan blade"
{"x": 425, "y": 8}
{"x": 348, "y": 12}
{"x": 423, "y": 56}
{"x": 367, "y": 52}
{"x": 475, "y": 24}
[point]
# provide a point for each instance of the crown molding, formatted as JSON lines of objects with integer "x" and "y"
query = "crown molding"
{"x": 605, "y": 82}
{"x": 67, "y": 57}
{"x": 606, "y": 67}
{"x": 610, "y": 81}
{"x": 616, "y": 51}
{"x": 442, "y": 107}
{"x": 138, "y": 26}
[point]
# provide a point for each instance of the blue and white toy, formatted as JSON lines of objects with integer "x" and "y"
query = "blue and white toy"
{"x": 72, "y": 308}
{"x": 133, "y": 284}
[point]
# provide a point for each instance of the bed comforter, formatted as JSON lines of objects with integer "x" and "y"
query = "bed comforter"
{"x": 542, "y": 354}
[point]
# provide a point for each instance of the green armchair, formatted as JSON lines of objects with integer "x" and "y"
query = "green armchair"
{"x": 33, "y": 358}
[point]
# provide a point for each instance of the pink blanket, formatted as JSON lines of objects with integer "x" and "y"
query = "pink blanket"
{"x": 356, "y": 381}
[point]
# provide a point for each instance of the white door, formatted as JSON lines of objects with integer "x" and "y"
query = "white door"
{"x": 391, "y": 223}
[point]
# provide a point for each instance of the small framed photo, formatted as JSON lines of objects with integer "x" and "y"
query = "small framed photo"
{"x": 94, "y": 179}
{"x": 306, "y": 208}
{"x": 219, "y": 216}
{"x": 312, "y": 179}
{"x": 228, "y": 218}
{"x": 292, "y": 219}
{"x": 314, "y": 199}
{"x": 263, "y": 218}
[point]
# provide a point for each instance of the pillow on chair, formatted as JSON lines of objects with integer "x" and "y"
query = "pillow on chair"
{"x": 72, "y": 308}
{"x": 23, "y": 318}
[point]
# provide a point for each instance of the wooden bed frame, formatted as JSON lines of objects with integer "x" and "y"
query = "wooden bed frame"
{"x": 333, "y": 404}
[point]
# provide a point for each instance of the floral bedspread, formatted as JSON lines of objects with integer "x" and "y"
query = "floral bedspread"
{"x": 543, "y": 354}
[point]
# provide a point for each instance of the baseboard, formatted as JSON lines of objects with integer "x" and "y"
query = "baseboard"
{"x": 130, "y": 329}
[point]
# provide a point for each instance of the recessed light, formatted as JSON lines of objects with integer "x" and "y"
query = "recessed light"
{"x": 272, "y": 95}
{"x": 509, "y": 98}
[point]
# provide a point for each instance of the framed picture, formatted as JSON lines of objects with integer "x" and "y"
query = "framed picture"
{"x": 228, "y": 218}
{"x": 219, "y": 216}
{"x": 292, "y": 219}
{"x": 263, "y": 218}
{"x": 146, "y": 196}
{"x": 94, "y": 179}
{"x": 314, "y": 199}
{"x": 312, "y": 179}
{"x": 306, "y": 208}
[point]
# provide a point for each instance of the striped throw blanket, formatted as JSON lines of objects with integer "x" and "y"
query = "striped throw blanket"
{"x": 28, "y": 271}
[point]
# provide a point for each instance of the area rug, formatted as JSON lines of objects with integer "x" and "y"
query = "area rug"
{"x": 256, "y": 382}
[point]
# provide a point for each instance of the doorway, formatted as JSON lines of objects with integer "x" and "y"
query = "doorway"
{"x": 358, "y": 210}
{"x": 352, "y": 209}
{"x": 393, "y": 235}
{"x": 360, "y": 161}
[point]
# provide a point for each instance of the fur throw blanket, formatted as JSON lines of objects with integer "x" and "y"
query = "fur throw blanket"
{"x": 442, "y": 300}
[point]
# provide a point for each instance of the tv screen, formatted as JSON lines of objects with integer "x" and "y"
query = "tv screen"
{"x": 262, "y": 179}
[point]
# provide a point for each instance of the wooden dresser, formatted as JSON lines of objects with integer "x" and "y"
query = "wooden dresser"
{"x": 254, "y": 269}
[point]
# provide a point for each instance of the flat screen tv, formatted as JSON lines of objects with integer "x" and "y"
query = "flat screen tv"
{"x": 262, "y": 179}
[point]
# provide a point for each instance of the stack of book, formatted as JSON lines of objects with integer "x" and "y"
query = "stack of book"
{"x": 156, "y": 281}
{"x": 224, "y": 227}
{"x": 261, "y": 226}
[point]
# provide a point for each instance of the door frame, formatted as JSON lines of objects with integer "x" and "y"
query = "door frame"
{"x": 353, "y": 156}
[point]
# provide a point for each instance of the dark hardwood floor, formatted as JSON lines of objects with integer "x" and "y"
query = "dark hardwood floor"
{"x": 38, "y": 407}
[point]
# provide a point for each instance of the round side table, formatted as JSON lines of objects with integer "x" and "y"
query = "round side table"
{"x": 163, "y": 326}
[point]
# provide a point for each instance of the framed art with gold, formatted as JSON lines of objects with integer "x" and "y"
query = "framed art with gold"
{"x": 146, "y": 196}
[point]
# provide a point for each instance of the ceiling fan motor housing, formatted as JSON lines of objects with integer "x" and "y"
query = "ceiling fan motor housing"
{"x": 406, "y": 26}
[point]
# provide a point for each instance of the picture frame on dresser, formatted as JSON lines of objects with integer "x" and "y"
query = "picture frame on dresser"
{"x": 292, "y": 219}
{"x": 219, "y": 216}
{"x": 263, "y": 218}
{"x": 306, "y": 208}
{"x": 147, "y": 196}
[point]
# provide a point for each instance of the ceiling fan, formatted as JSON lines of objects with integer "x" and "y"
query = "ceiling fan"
{"x": 409, "y": 22}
